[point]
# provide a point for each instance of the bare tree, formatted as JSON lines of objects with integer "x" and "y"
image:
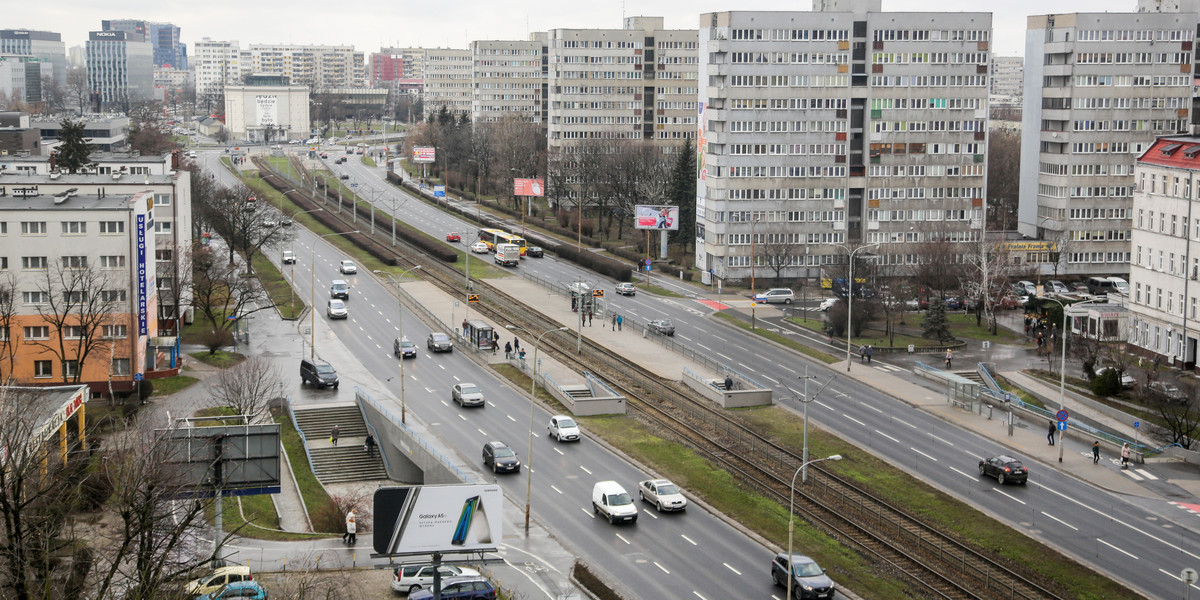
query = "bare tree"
{"x": 54, "y": 95}
{"x": 175, "y": 281}
{"x": 778, "y": 248}
{"x": 1004, "y": 177}
{"x": 247, "y": 388}
{"x": 8, "y": 320}
{"x": 518, "y": 148}
{"x": 78, "y": 88}
{"x": 219, "y": 290}
{"x": 1182, "y": 419}
{"x": 240, "y": 222}
{"x": 80, "y": 302}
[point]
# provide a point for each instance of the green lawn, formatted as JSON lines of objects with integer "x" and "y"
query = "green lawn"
{"x": 367, "y": 160}
{"x": 786, "y": 341}
{"x": 219, "y": 359}
{"x": 963, "y": 327}
{"x": 169, "y": 385}
{"x": 311, "y": 489}
{"x": 281, "y": 292}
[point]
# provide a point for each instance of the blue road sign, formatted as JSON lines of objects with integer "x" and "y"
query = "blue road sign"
{"x": 439, "y": 191}
{"x": 1062, "y": 425}
{"x": 1061, "y": 415}
{"x": 137, "y": 376}
{"x": 1137, "y": 424}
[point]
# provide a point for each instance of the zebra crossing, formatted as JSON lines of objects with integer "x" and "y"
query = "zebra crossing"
{"x": 1138, "y": 474}
{"x": 888, "y": 368}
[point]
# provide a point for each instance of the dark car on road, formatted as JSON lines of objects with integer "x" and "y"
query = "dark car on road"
{"x": 663, "y": 326}
{"x": 808, "y": 578}
{"x": 1004, "y": 469}
{"x": 404, "y": 348}
{"x": 500, "y": 457}
{"x": 534, "y": 252}
{"x": 439, "y": 342}
{"x": 318, "y": 373}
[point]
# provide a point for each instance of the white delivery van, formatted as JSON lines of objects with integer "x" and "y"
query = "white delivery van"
{"x": 508, "y": 255}
{"x": 609, "y": 498}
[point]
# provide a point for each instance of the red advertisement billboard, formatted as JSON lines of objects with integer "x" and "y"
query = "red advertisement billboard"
{"x": 529, "y": 187}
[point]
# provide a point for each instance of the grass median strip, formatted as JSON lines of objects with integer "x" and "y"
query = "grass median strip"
{"x": 781, "y": 339}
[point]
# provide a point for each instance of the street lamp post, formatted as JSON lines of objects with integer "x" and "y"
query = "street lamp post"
{"x": 400, "y": 329}
{"x": 850, "y": 300}
{"x": 1062, "y": 365}
{"x": 532, "y": 402}
{"x": 292, "y": 265}
{"x": 312, "y": 293}
{"x": 805, "y": 401}
{"x": 792, "y": 519}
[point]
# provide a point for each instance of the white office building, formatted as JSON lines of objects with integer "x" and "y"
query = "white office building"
{"x": 1164, "y": 277}
{"x": 1099, "y": 87}
{"x": 216, "y": 64}
{"x": 825, "y": 130}
{"x": 509, "y": 78}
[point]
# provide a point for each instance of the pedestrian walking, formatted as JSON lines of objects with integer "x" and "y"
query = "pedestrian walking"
{"x": 830, "y": 336}
{"x": 949, "y": 357}
{"x": 1096, "y": 452}
{"x": 589, "y": 317}
{"x": 507, "y": 350}
{"x": 1125, "y": 456}
{"x": 516, "y": 344}
{"x": 495, "y": 341}
{"x": 870, "y": 351}
{"x": 333, "y": 435}
{"x": 351, "y": 529}
{"x": 614, "y": 322}
{"x": 1050, "y": 432}
{"x": 728, "y": 383}
{"x": 862, "y": 353}
{"x": 369, "y": 444}
{"x": 620, "y": 320}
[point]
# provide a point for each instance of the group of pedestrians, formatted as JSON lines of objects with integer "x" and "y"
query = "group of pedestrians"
{"x": 617, "y": 321}
{"x": 368, "y": 443}
{"x": 1052, "y": 432}
{"x": 865, "y": 352}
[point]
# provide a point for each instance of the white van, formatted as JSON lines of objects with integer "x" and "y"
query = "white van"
{"x": 1121, "y": 285}
{"x": 610, "y": 498}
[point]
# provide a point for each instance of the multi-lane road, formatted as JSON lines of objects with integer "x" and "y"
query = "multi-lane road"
{"x": 1144, "y": 544}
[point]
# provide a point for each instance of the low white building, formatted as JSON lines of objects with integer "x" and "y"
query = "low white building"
{"x": 1164, "y": 271}
{"x": 266, "y": 113}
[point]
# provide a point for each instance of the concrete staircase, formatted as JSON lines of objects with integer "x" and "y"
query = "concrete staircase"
{"x": 347, "y": 461}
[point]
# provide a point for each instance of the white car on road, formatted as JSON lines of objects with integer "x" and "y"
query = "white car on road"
{"x": 827, "y": 304}
{"x": 563, "y": 429}
{"x": 663, "y": 494}
{"x": 479, "y": 248}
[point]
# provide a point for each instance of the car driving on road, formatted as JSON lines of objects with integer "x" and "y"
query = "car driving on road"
{"x": 404, "y": 348}
{"x": 626, "y": 289}
{"x": 336, "y": 309}
{"x": 480, "y": 248}
{"x": 348, "y": 267}
{"x": 563, "y": 429}
{"x": 808, "y": 578}
{"x": 663, "y": 494}
{"x": 827, "y": 304}
{"x": 467, "y": 394}
{"x": 500, "y": 458}
{"x": 535, "y": 252}
{"x": 663, "y": 326}
{"x": 1004, "y": 469}
{"x": 612, "y": 501}
{"x": 775, "y": 296}
{"x": 439, "y": 342}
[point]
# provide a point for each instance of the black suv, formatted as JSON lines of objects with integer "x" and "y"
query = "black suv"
{"x": 809, "y": 579}
{"x": 318, "y": 373}
{"x": 500, "y": 457}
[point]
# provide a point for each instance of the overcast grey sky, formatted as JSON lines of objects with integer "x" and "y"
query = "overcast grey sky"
{"x": 369, "y": 25}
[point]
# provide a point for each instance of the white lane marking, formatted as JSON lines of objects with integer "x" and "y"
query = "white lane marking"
{"x": 723, "y": 356}
{"x": 1147, "y": 474}
{"x": 1133, "y": 556}
{"x": 697, "y": 594}
{"x": 1060, "y": 521}
{"x": 968, "y": 475}
{"x": 1118, "y": 521}
{"x": 887, "y": 436}
{"x": 1132, "y": 475}
{"x": 944, "y": 441}
{"x": 556, "y": 489}
{"x": 462, "y": 417}
{"x": 904, "y": 422}
{"x": 730, "y": 567}
{"x": 590, "y": 514}
{"x": 923, "y": 454}
{"x": 560, "y": 452}
{"x": 688, "y": 539}
{"x": 647, "y": 511}
{"x": 622, "y": 538}
{"x": 853, "y": 419}
{"x": 746, "y": 367}
{"x": 441, "y": 366}
{"x": 664, "y": 569}
{"x": 510, "y": 418}
{"x": 792, "y": 371}
{"x": 481, "y": 432}
{"x": 684, "y": 337}
{"x": 585, "y": 469}
{"x": 1007, "y": 495}
{"x": 871, "y": 407}
{"x": 428, "y": 391}
{"x": 822, "y": 404}
{"x": 772, "y": 379}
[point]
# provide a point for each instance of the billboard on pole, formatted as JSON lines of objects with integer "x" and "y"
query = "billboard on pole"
{"x": 437, "y": 518}
{"x": 424, "y": 154}
{"x": 529, "y": 187}
{"x": 656, "y": 217}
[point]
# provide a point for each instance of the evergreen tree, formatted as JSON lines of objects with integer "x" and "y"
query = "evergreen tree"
{"x": 935, "y": 325}
{"x": 74, "y": 153}
{"x": 682, "y": 193}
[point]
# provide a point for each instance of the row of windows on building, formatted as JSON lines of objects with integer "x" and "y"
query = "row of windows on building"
{"x": 1130, "y": 81}
{"x": 1155, "y": 337}
{"x": 40, "y": 263}
{"x": 1092, "y": 191}
{"x": 44, "y": 369}
{"x": 1133, "y": 58}
{"x": 1134, "y": 35}
{"x": 1171, "y": 303}
{"x": 1118, "y": 103}
{"x": 76, "y": 297}
{"x": 1166, "y": 262}
{"x": 1098, "y": 170}
{"x": 69, "y": 332}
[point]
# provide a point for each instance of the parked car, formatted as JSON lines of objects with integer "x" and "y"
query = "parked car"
{"x": 828, "y": 303}
{"x": 1009, "y": 301}
{"x": 410, "y": 578}
{"x": 912, "y": 304}
{"x": 775, "y": 296}
{"x": 663, "y": 326}
{"x": 344, "y": 175}
{"x": 1127, "y": 380}
{"x": 403, "y": 348}
{"x": 269, "y": 223}
{"x": 535, "y": 252}
{"x": 1004, "y": 469}
{"x": 626, "y": 289}
{"x": 1166, "y": 390}
{"x": 348, "y": 267}
{"x": 1057, "y": 286}
{"x": 808, "y": 578}
{"x": 453, "y": 236}
{"x": 1080, "y": 288}
{"x": 318, "y": 373}
{"x": 288, "y": 257}
{"x": 663, "y": 494}
{"x": 339, "y": 289}
{"x": 467, "y": 394}
{"x": 439, "y": 342}
{"x": 953, "y": 303}
{"x": 246, "y": 590}
{"x": 286, "y": 222}
{"x": 563, "y": 429}
{"x": 611, "y": 500}
{"x": 480, "y": 248}
{"x": 219, "y": 577}
{"x": 1026, "y": 287}
{"x": 460, "y": 588}
{"x": 500, "y": 457}
{"x": 336, "y": 309}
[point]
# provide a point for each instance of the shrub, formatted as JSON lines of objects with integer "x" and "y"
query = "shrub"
{"x": 1106, "y": 384}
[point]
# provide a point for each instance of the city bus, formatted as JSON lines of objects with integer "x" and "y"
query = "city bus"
{"x": 491, "y": 237}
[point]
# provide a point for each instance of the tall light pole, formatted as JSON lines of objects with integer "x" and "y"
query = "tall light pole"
{"x": 792, "y": 517}
{"x": 292, "y": 249}
{"x": 532, "y": 402}
{"x": 805, "y": 400}
{"x": 400, "y": 329}
{"x": 850, "y": 300}
{"x": 312, "y": 293}
{"x": 1062, "y": 365}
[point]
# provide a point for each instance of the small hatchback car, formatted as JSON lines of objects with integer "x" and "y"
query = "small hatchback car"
{"x": 1004, "y": 469}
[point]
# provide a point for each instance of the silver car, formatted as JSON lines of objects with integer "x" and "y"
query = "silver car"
{"x": 663, "y": 494}
{"x": 467, "y": 394}
{"x": 336, "y": 309}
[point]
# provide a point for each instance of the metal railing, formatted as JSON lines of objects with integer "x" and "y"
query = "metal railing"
{"x": 374, "y": 432}
{"x": 594, "y": 381}
{"x": 413, "y": 435}
{"x": 303, "y": 439}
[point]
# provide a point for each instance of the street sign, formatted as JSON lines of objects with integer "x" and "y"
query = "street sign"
{"x": 647, "y": 268}
{"x": 439, "y": 191}
{"x": 1137, "y": 424}
{"x": 472, "y": 297}
{"x": 597, "y": 293}
{"x": 1062, "y": 415}
{"x": 138, "y": 376}
{"x": 1062, "y": 425}
{"x": 1188, "y": 575}
{"x": 647, "y": 263}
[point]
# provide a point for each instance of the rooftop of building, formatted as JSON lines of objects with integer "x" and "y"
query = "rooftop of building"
{"x": 1180, "y": 152}
{"x": 65, "y": 200}
{"x": 96, "y": 157}
{"x": 26, "y": 178}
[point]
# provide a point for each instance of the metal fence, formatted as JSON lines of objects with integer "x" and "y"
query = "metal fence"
{"x": 362, "y": 396}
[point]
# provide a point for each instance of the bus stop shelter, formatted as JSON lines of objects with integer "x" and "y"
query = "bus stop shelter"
{"x": 479, "y": 335}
